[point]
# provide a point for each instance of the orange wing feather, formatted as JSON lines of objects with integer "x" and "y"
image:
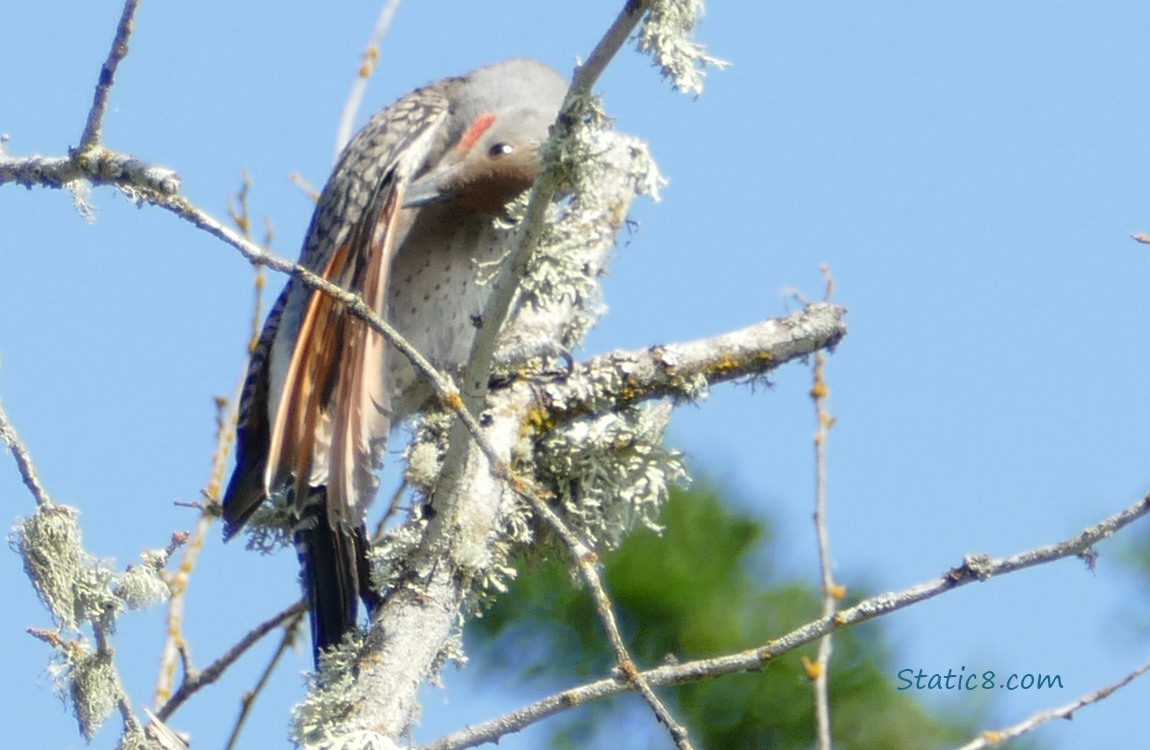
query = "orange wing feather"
{"x": 334, "y": 401}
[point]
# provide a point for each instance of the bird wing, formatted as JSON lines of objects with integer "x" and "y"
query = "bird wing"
{"x": 315, "y": 407}
{"x": 334, "y": 409}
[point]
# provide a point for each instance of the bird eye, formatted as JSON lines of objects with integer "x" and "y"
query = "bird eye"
{"x": 500, "y": 150}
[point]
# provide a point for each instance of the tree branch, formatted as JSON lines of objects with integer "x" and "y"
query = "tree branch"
{"x": 194, "y": 683}
{"x": 91, "y": 136}
{"x": 973, "y": 568}
{"x": 995, "y": 737}
{"x": 820, "y": 669}
{"x": 175, "y": 644}
{"x": 682, "y": 371}
{"x": 291, "y": 632}
{"x": 23, "y": 460}
{"x": 97, "y": 165}
{"x": 355, "y": 97}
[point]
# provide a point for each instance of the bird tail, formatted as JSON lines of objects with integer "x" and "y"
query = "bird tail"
{"x": 335, "y": 570}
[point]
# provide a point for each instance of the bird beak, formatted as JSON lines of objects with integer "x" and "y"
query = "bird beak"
{"x": 431, "y": 187}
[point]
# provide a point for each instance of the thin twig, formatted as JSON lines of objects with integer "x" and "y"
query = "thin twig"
{"x": 193, "y": 683}
{"x": 175, "y": 651}
{"x": 820, "y": 671}
{"x": 23, "y": 460}
{"x": 974, "y": 568}
{"x": 996, "y": 737}
{"x": 93, "y": 128}
{"x": 123, "y": 703}
{"x": 586, "y": 560}
{"x": 354, "y": 304}
{"x": 291, "y": 631}
{"x": 98, "y": 166}
{"x": 175, "y": 645}
{"x": 609, "y": 45}
{"x": 366, "y": 68}
{"x": 303, "y": 184}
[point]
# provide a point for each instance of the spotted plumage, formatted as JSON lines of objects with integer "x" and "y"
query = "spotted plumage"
{"x": 406, "y": 220}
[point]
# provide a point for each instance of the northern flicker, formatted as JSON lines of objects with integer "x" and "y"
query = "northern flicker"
{"x": 404, "y": 219}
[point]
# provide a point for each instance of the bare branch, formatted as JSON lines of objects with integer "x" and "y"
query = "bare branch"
{"x": 104, "y": 653}
{"x": 193, "y": 683}
{"x": 162, "y": 735}
{"x": 291, "y": 631}
{"x": 995, "y": 737}
{"x": 23, "y": 460}
{"x": 175, "y": 649}
{"x": 366, "y": 68}
{"x": 586, "y": 561}
{"x": 819, "y": 670}
{"x": 832, "y": 593}
{"x": 92, "y": 129}
{"x": 613, "y": 40}
{"x": 974, "y": 568}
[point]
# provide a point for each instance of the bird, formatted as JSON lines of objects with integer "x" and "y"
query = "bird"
{"x": 405, "y": 220}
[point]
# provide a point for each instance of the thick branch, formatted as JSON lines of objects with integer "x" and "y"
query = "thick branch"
{"x": 462, "y": 539}
{"x": 98, "y": 166}
{"x": 682, "y": 370}
{"x": 542, "y": 195}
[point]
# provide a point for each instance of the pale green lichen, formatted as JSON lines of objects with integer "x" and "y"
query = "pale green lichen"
{"x": 451, "y": 652}
{"x": 49, "y": 542}
{"x": 140, "y": 741}
{"x": 361, "y": 739}
{"x": 423, "y": 456}
{"x": 92, "y": 685}
{"x": 79, "y": 590}
{"x": 143, "y": 586}
{"x": 388, "y": 554}
{"x": 611, "y": 472}
{"x": 74, "y": 585}
{"x": 561, "y": 272}
{"x": 316, "y": 720}
{"x": 329, "y": 699}
{"x": 269, "y": 528}
{"x": 81, "y": 191}
{"x": 666, "y": 36}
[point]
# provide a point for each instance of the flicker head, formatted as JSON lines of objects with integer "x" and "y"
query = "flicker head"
{"x": 496, "y": 123}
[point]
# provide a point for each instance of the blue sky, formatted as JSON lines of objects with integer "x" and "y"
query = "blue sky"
{"x": 970, "y": 172}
